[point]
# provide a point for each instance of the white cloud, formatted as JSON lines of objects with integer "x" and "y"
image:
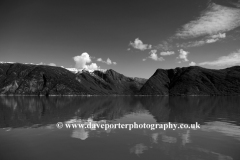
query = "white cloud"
{"x": 215, "y": 38}
{"x": 219, "y": 35}
{"x": 99, "y": 59}
{"x": 191, "y": 44}
{"x": 183, "y": 55}
{"x": 52, "y": 64}
{"x": 108, "y": 61}
{"x": 138, "y": 44}
{"x": 229, "y": 60}
{"x": 211, "y": 40}
{"x": 212, "y": 21}
{"x": 92, "y": 66}
{"x": 41, "y": 63}
{"x": 82, "y": 60}
{"x": 167, "y": 53}
{"x": 208, "y": 39}
{"x": 154, "y": 56}
{"x": 192, "y": 64}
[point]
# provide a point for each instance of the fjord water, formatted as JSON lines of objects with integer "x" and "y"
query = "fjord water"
{"x": 28, "y": 128}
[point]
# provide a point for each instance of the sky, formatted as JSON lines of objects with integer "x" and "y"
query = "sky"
{"x": 132, "y": 37}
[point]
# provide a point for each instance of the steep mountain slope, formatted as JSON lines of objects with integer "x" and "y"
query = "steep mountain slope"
{"x": 193, "y": 81}
{"x": 110, "y": 82}
{"x": 28, "y": 79}
{"x": 158, "y": 84}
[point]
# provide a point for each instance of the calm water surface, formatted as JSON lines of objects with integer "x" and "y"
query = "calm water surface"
{"x": 28, "y": 128}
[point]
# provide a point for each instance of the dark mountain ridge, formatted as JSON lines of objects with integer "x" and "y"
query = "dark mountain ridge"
{"x": 29, "y": 79}
{"x": 193, "y": 80}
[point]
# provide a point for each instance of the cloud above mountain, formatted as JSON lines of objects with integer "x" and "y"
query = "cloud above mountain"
{"x": 210, "y": 27}
{"x": 229, "y": 60}
{"x": 203, "y": 41}
{"x": 183, "y": 55}
{"x": 52, "y": 64}
{"x": 192, "y": 64}
{"x": 138, "y": 44}
{"x": 82, "y": 61}
{"x": 108, "y": 61}
{"x": 213, "y": 20}
{"x": 153, "y": 56}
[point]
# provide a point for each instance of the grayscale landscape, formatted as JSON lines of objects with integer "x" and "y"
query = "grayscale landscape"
{"x": 120, "y": 80}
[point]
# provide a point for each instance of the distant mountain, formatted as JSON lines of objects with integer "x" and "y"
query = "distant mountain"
{"x": 29, "y": 79}
{"x": 193, "y": 80}
{"x": 110, "y": 82}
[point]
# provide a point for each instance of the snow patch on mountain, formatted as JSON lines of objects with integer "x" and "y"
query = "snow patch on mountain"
{"x": 75, "y": 70}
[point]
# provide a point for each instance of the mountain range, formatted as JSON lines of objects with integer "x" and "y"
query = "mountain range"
{"x": 43, "y": 80}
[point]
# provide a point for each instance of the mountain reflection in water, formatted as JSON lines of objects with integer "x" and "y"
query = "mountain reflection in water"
{"x": 36, "y": 117}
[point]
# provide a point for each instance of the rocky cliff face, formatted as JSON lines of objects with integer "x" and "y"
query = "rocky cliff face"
{"x": 193, "y": 81}
{"x": 27, "y": 79}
